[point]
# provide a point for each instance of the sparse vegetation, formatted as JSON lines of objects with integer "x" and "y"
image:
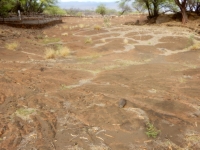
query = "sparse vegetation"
{"x": 50, "y": 40}
{"x": 101, "y": 9}
{"x": 5, "y": 7}
{"x": 79, "y": 14}
{"x": 61, "y": 51}
{"x": 50, "y": 53}
{"x": 54, "y": 10}
{"x": 151, "y": 130}
{"x": 125, "y": 41}
{"x": 92, "y": 56}
{"x": 24, "y": 113}
{"x": 12, "y": 46}
{"x": 59, "y": 95}
{"x": 195, "y": 46}
{"x": 125, "y": 8}
{"x": 65, "y": 34}
{"x": 65, "y": 26}
{"x": 97, "y": 27}
{"x": 63, "y": 87}
{"x": 107, "y": 22}
{"x": 81, "y": 25}
{"x": 88, "y": 40}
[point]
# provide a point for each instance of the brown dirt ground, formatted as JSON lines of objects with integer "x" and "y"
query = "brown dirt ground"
{"x": 71, "y": 102}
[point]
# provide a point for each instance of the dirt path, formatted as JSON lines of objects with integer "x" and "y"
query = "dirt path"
{"x": 72, "y": 102}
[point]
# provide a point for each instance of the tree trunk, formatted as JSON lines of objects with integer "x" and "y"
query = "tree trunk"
{"x": 148, "y": 8}
{"x": 182, "y": 6}
{"x": 184, "y": 15}
{"x": 155, "y": 8}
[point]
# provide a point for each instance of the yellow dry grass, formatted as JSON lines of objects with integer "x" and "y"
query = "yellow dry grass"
{"x": 51, "y": 53}
{"x": 125, "y": 41}
{"x": 12, "y": 46}
{"x": 195, "y": 46}
{"x": 88, "y": 40}
{"x": 97, "y": 27}
{"x": 65, "y": 26}
{"x": 63, "y": 51}
{"x": 81, "y": 25}
{"x": 65, "y": 34}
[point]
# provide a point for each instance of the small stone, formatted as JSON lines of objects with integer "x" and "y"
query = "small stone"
{"x": 41, "y": 69}
{"x": 122, "y": 103}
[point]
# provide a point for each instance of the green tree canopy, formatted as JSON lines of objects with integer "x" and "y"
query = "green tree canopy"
{"x": 101, "y": 9}
{"x": 124, "y": 6}
{"x": 5, "y": 7}
{"x": 155, "y": 6}
{"x": 28, "y": 6}
{"x": 54, "y": 10}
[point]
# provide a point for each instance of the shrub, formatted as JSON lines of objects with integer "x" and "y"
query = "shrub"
{"x": 50, "y": 53}
{"x": 101, "y": 9}
{"x": 61, "y": 51}
{"x": 151, "y": 130}
{"x": 12, "y": 46}
{"x": 88, "y": 40}
{"x": 97, "y": 27}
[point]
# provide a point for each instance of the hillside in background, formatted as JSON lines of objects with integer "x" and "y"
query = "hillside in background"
{"x": 87, "y": 5}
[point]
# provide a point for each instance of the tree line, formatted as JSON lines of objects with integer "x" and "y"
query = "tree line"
{"x": 29, "y": 6}
{"x": 154, "y": 7}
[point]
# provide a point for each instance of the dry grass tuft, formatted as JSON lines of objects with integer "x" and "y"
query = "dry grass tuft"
{"x": 65, "y": 34}
{"x": 99, "y": 147}
{"x": 63, "y": 51}
{"x": 81, "y": 25}
{"x": 88, "y": 40}
{"x": 50, "y": 53}
{"x": 12, "y": 46}
{"x": 125, "y": 41}
{"x": 97, "y": 27}
{"x": 195, "y": 46}
{"x": 25, "y": 113}
{"x": 65, "y": 26}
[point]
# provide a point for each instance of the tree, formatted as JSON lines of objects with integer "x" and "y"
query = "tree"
{"x": 153, "y": 6}
{"x": 140, "y": 7}
{"x": 54, "y": 10}
{"x": 28, "y": 6}
{"x": 182, "y": 4}
{"x": 170, "y": 6}
{"x": 112, "y": 12}
{"x": 45, "y": 4}
{"x": 124, "y": 7}
{"x": 101, "y": 9}
{"x": 5, "y": 7}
